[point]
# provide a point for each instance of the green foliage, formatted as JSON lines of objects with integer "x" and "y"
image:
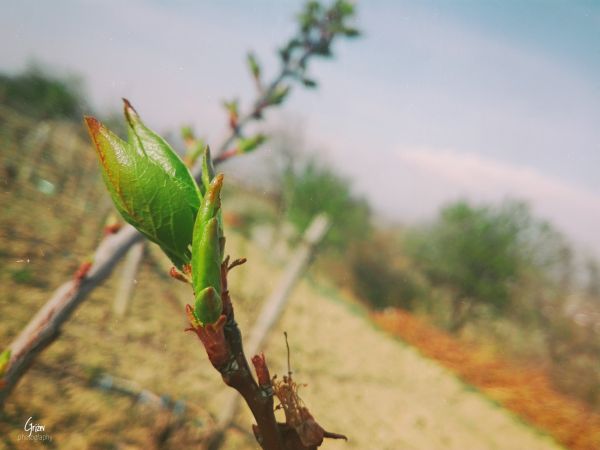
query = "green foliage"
{"x": 478, "y": 253}
{"x": 149, "y": 184}
{"x": 319, "y": 26}
{"x": 247, "y": 145}
{"x": 311, "y": 189}
{"x": 155, "y": 192}
{"x": 253, "y": 65}
{"x": 40, "y": 95}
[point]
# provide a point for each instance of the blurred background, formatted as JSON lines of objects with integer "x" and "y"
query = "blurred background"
{"x": 455, "y": 300}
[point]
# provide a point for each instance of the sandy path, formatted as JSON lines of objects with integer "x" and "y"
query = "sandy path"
{"x": 380, "y": 392}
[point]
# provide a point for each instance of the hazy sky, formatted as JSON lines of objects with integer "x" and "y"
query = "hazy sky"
{"x": 438, "y": 100}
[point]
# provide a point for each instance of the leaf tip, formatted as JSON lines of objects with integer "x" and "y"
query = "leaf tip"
{"x": 92, "y": 124}
{"x": 130, "y": 113}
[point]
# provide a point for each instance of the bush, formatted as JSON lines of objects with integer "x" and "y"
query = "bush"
{"x": 40, "y": 95}
{"x": 480, "y": 253}
{"x": 313, "y": 188}
{"x": 379, "y": 274}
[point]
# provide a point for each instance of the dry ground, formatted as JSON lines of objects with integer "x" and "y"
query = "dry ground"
{"x": 380, "y": 392}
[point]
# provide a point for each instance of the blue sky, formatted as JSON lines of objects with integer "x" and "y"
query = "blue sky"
{"x": 438, "y": 100}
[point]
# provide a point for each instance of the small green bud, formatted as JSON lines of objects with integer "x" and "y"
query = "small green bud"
{"x": 208, "y": 305}
{"x": 206, "y": 270}
{"x": 232, "y": 107}
{"x": 278, "y": 95}
{"x": 187, "y": 133}
{"x": 253, "y": 65}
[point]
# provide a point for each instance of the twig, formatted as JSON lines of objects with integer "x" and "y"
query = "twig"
{"x": 45, "y": 326}
{"x": 270, "y": 312}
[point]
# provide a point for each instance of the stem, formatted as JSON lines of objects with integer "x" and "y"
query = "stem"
{"x": 225, "y": 350}
{"x": 287, "y": 69}
{"x": 260, "y": 401}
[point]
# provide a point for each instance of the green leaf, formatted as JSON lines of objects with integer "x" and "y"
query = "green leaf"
{"x": 147, "y": 142}
{"x": 232, "y": 106}
{"x": 278, "y": 95}
{"x": 187, "y": 133}
{"x": 149, "y": 184}
{"x": 246, "y": 145}
{"x": 253, "y": 65}
{"x": 193, "y": 153}
{"x": 208, "y": 170}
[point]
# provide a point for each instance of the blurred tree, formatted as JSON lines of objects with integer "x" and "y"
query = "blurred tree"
{"x": 311, "y": 188}
{"x": 380, "y": 273}
{"x": 480, "y": 253}
{"x": 40, "y": 95}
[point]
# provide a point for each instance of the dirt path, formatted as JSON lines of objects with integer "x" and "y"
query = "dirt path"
{"x": 382, "y": 393}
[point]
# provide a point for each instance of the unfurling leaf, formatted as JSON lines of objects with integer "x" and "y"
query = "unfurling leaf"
{"x": 149, "y": 184}
{"x": 207, "y": 255}
{"x": 187, "y": 134}
{"x": 278, "y": 95}
{"x": 233, "y": 112}
{"x": 246, "y": 145}
{"x": 253, "y": 65}
{"x": 208, "y": 171}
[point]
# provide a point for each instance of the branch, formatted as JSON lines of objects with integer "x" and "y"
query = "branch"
{"x": 45, "y": 326}
{"x": 226, "y": 352}
{"x": 224, "y": 347}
